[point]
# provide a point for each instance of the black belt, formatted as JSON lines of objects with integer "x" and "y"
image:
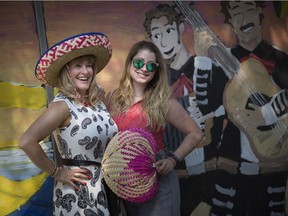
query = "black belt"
{"x": 71, "y": 162}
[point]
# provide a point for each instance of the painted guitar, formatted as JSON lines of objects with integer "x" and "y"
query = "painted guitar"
{"x": 248, "y": 90}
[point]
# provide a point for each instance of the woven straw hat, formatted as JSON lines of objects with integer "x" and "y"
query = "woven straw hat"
{"x": 51, "y": 62}
{"x": 128, "y": 165}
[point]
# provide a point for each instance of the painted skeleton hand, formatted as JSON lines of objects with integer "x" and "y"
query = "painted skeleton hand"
{"x": 276, "y": 108}
{"x": 202, "y": 42}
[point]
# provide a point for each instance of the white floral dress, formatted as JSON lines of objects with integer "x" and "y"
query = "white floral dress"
{"x": 89, "y": 132}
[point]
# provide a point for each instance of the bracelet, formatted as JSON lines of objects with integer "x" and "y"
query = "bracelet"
{"x": 172, "y": 160}
{"x": 56, "y": 172}
{"x": 53, "y": 170}
{"x": 174, "y": 157}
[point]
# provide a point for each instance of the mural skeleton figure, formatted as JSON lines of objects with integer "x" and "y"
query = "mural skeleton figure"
{"x": 244, "y": 164}
{"x": 190, "y": 83}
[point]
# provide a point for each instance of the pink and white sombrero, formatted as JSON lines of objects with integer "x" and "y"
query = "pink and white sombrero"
{"x": 128, "y": 165}
{"x": 52, "y": 61}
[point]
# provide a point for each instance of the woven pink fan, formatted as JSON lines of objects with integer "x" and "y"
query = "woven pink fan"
{"x": 128, "y": 165}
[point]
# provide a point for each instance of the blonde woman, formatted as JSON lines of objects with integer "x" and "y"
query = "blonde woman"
{"x": 79, "y": 120}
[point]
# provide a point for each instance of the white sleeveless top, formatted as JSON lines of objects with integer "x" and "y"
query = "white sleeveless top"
{"x": 90, "y": 130}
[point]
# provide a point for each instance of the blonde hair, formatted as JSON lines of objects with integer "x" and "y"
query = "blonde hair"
{"x": 67, "y": 88}
{"x": 156, "y": 95}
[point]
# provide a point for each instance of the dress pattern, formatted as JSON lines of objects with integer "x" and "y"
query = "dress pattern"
{"x": 85, "y": 138}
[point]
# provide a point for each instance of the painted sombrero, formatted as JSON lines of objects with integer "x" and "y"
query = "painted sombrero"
{"x": 128, "y": 165}
{"x": 91, "y": 43}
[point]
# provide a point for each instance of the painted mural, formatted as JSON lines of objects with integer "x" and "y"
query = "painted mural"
{"x": 24, "y": 189}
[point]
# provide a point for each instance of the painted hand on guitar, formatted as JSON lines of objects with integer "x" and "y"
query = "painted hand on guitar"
{"x": 202, "y": 42}
{"x": 275, "y": 107}
{"x": 279, "y": 103}
{"x": 261, "y": 111}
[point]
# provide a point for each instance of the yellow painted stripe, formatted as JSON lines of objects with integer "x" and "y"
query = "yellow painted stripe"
{"x": 21, "y": 96}
{"x": 13, "y": 194}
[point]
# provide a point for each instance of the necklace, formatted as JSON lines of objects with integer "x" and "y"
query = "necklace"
{"x": 86, "y": 103}
{"x": 82, "y": 96}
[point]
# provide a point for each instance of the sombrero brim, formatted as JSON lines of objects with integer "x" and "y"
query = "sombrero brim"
{"x": 127, "y": 165}
{"x": 56, "y": 57}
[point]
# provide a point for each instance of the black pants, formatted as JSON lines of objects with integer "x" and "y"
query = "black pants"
{"x": 194, "y": 190}
{"x": 249, "y": 195}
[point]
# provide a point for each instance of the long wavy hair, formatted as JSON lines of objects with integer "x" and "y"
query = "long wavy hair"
{"x": 67, "y": 88}
{"x": 156, "y": 95}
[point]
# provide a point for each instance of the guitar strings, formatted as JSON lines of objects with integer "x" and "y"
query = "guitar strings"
{"x": 229, "y": 63}
{"x": 232, "y": 65}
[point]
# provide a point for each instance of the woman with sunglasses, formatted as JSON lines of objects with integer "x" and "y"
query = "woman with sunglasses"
{"x": 143, "y": 100}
